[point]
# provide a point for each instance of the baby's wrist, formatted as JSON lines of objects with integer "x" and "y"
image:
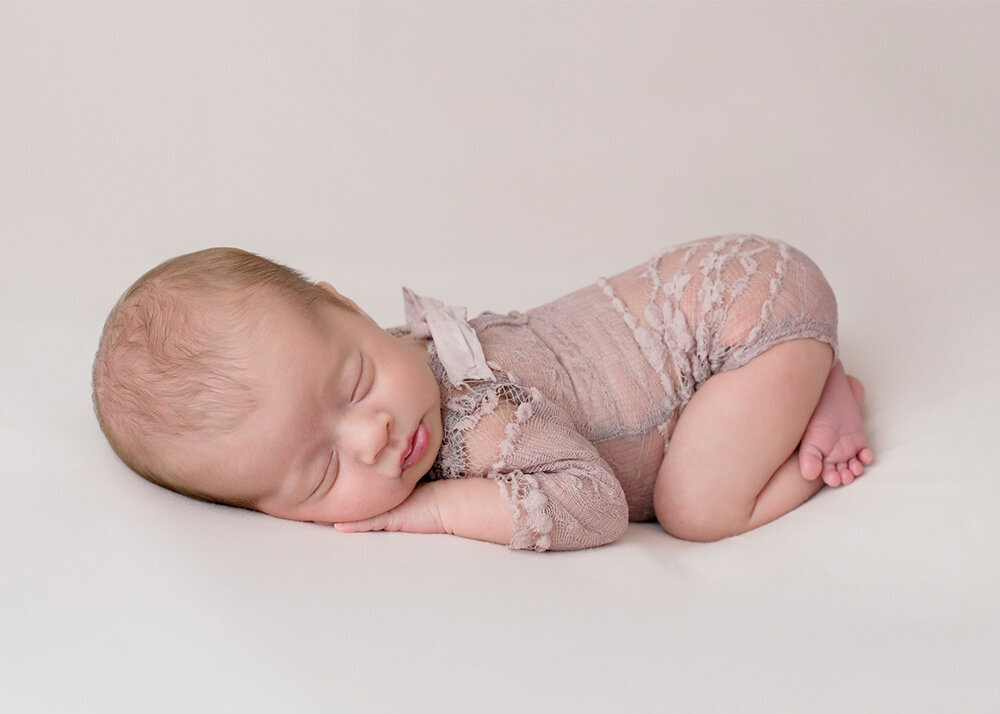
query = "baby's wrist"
{"x": 474, "y": 508}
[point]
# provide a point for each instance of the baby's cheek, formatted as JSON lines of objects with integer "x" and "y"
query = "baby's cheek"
{"x": 374, "y": 503}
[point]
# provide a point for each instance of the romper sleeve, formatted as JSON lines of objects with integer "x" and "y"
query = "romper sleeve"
{"x": 562, "y": 494}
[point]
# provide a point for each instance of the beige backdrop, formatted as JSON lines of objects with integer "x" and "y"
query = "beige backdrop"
{"x": 496, "y": 156}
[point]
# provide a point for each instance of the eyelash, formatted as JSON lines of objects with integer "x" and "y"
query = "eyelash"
{"x": 322, "y": 478}
{"x": 356, "y": 395}
{"x": 357, "y": 386}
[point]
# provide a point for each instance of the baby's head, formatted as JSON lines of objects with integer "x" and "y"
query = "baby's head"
{"x": 233, "y": 379}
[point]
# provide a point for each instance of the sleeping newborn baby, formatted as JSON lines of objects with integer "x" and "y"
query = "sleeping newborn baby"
{"x": 702, "y": 388}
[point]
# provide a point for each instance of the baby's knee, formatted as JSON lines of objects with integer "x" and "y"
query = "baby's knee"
{"x": 693, "y": 521}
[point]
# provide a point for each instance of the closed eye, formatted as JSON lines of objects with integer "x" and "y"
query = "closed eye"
{"x": 355, "y": 394}
{"x": 331, "y": 468}
{"x": 366, "y": 379}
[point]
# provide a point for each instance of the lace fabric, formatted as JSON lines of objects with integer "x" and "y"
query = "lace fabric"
{"x": 561, "y": 493}
{"x": 589, "y": 387}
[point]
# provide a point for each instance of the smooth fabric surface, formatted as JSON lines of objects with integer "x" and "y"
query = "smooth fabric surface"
{"x": 498, "y": 156}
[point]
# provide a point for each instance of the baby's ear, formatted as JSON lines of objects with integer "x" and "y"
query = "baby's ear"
{"x": 333, "y": 291}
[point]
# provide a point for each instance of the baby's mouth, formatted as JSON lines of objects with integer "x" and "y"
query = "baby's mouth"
{"x": 418, "y": 445}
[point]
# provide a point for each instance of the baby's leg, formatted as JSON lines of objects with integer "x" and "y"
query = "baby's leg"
{"x": 731, "y": 463}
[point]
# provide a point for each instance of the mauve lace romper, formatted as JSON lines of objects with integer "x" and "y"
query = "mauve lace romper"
{"x": 589, "y": 386}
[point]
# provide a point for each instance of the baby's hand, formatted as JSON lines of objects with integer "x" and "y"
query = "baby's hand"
{"x": 419, "y": 513}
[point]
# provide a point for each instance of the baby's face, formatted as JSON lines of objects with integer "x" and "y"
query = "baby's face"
{"x": 348, "y": 423}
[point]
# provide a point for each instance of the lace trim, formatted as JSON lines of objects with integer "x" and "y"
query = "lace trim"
{"x": 532, "y": 524}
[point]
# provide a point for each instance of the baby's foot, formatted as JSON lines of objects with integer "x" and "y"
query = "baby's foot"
{"x": 834, "y": 443}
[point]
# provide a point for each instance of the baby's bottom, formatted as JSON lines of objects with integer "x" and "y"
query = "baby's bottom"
{"x": 732, "y": 463}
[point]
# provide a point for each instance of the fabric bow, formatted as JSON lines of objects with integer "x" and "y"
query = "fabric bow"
{"x": 457, "y": 345}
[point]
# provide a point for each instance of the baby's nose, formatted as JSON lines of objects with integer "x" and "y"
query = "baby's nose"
{"x": 373, "y": 437}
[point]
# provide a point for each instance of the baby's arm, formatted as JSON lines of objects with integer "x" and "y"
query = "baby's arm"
{"x": 546, "y": 486}
{"x": 468, "y": 507}
{"x": 578, "y": 506}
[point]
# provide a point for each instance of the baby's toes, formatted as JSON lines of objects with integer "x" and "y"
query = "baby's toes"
{"x": 866, "y": 456}
{"x": 846, "y": 475}
{"x": 810, "y": 462}
{"x": 831, "y": 476}
{"x": 857, "y": 468}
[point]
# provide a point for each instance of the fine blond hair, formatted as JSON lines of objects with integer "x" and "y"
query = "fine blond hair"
{"x": 170, "y": 364}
